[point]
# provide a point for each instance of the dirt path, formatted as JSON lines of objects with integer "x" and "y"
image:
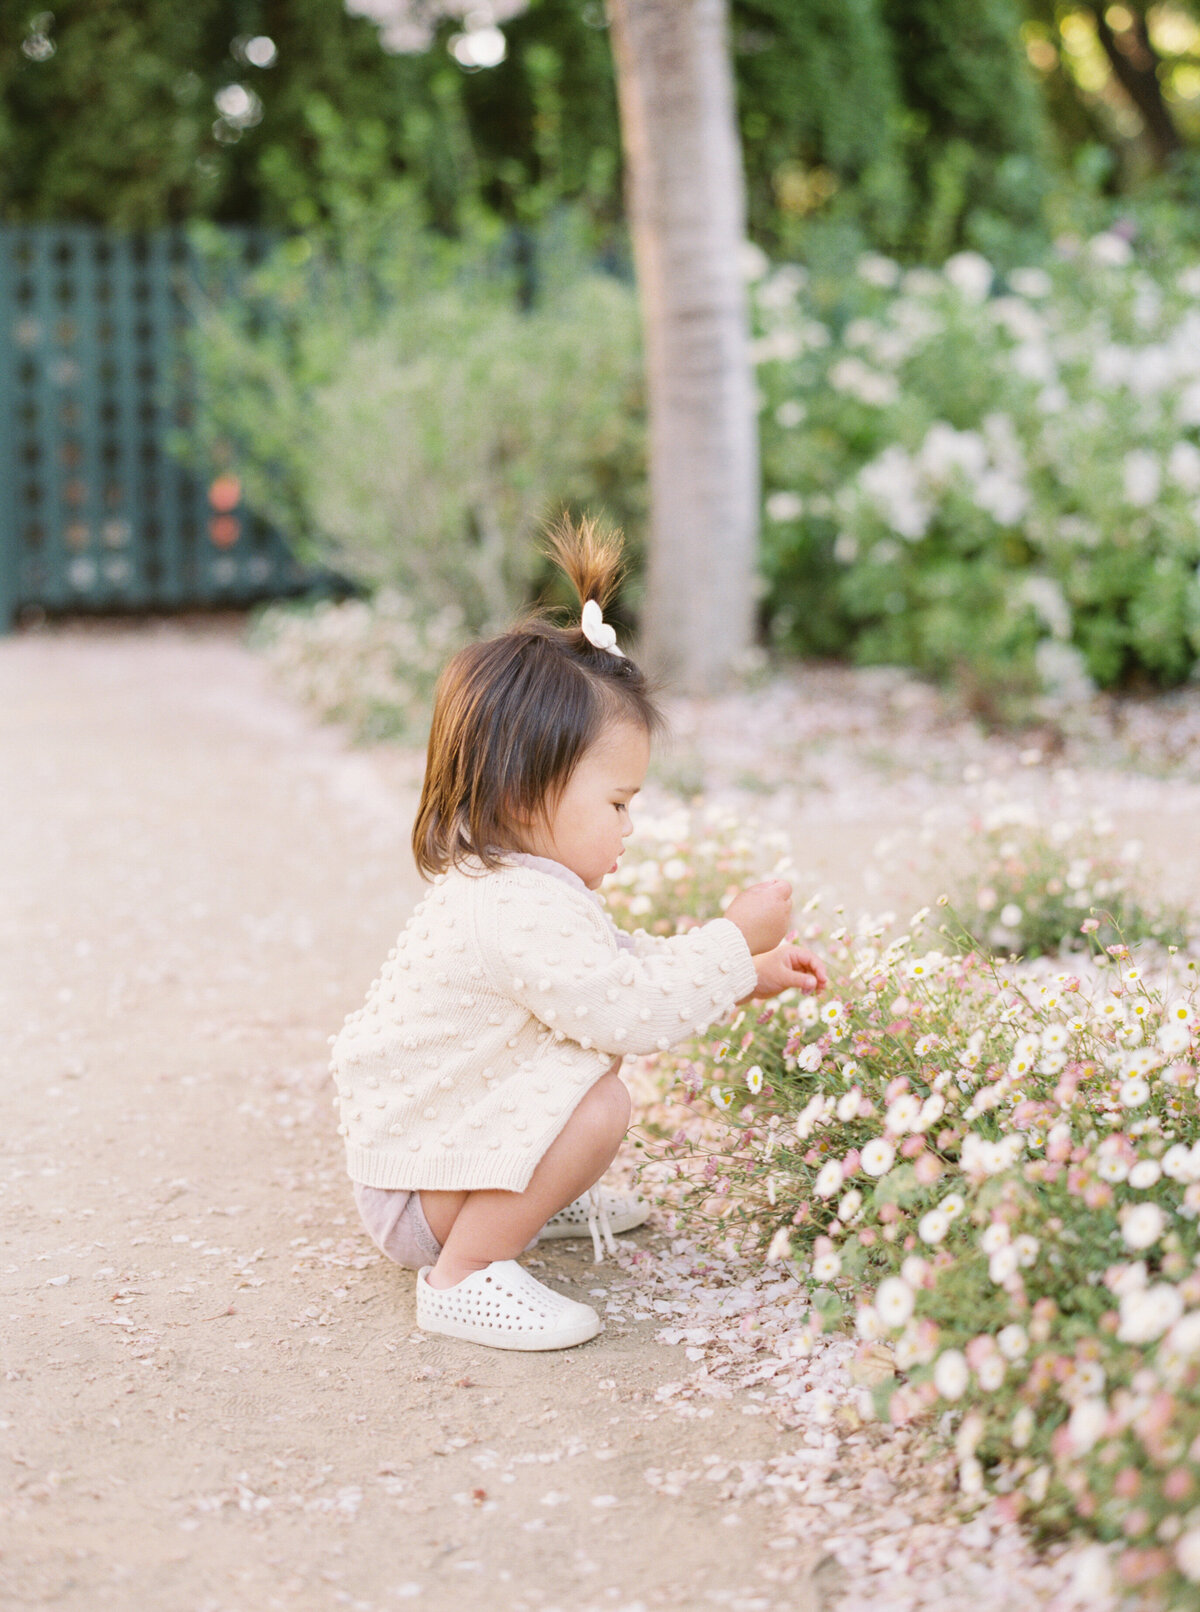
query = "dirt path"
{"x": 214, "y": 1399}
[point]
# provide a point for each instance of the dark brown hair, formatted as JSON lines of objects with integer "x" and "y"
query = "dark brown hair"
{"x": 513, "y": 715}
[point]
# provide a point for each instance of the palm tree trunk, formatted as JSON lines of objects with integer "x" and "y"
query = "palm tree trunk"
{"x": 687, "y": 212}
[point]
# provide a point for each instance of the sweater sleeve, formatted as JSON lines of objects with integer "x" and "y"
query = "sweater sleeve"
{"x": 556, "y": 958}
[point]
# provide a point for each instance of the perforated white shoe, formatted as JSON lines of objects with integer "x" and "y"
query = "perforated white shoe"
{"x": 598, "y": 1213}
{"x": 506, "y": 1308}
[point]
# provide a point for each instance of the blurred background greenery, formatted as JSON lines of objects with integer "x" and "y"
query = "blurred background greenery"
{"x": 442, "y": 346}
{"x": 919, "y": 125}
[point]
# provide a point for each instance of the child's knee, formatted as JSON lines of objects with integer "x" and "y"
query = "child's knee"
{"x": 605, "y": 1111}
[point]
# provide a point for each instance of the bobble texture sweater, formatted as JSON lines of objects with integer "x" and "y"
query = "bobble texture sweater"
{"x": 504, "y": 1000}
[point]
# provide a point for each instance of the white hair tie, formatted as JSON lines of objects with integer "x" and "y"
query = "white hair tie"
{"x": 597, "y": 631}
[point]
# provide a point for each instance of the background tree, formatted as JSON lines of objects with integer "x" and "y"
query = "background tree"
{"x": 862, "y": 118}
{"x": 1123, "y": 77}
{"x": 687, "y": 217}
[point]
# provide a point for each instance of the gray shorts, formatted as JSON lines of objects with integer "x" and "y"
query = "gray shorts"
{"x": 397, "y": 1225}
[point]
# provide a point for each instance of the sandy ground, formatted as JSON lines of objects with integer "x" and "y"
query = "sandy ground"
{"x": 213, "y": 1396}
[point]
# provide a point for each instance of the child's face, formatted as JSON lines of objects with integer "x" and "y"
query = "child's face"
{"x": 588, "y": 827}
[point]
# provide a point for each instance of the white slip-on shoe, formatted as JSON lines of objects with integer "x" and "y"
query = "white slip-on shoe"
{"x": 598, "y": 1213}
{"x": 506, "y": 1308}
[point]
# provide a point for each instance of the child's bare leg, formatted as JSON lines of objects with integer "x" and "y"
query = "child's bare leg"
{"x": 499, "y": 1225}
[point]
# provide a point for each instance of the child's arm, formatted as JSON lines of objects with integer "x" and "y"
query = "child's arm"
{"x": 555, "y": 959}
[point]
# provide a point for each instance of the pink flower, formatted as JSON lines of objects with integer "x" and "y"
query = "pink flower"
{"x": 1006, "y": 1508}
{"x": 850, "y": 1163}
{"x": 1140, "y": 1566}
{"x": 911, "y": 1146}
{"x": 1177, "y": 1484}
{"x": 978, "y": 1349}
{"x": 1127, "y": 1483}
{"x": 928, "y": 1169}
{"x": 897, "y": 1088}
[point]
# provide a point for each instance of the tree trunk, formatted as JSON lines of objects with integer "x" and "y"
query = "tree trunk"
{"x": 1135, "y": 65}
{"x": 687, "y": 213}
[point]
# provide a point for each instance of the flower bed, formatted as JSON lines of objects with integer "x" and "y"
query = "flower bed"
{"x": 371, "y": 664}
{"x": 1000, "y": 1178}
{"x": 1031, "y": 884}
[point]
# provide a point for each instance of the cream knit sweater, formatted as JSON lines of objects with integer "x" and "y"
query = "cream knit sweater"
{"x": 504, "y": 1000}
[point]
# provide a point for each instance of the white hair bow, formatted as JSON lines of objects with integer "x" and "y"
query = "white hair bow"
{"x": 597, "y": 631}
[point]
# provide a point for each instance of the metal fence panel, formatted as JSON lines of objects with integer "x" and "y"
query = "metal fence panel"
{"x": 95, "y": 514}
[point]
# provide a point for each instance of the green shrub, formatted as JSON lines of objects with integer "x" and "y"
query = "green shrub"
{"x": 402, "y": 419}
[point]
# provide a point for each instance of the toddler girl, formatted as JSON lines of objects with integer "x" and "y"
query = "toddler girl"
{"x": 479, "y": 1087}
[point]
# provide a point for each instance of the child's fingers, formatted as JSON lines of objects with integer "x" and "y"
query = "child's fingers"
{"x": 804, "y": 959}
{"x": 799, "y": 975}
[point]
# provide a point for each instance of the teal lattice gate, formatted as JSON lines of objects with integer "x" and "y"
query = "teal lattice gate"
{"x": 95, "y": 514}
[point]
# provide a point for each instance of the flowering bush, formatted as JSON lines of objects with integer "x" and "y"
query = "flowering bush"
{"x": 992, "y": 479}
{"x": 371, "y": 664}
{"x": 1030, "y": 885}
{"x": 999, "y": 1177}
{"x": 684, "y": 867}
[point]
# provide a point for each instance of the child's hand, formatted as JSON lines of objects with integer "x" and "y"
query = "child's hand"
{"x": 762, "y": 913}
{"x": 786, "y": 967}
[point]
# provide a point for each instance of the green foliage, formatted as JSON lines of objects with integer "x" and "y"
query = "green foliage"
{"x": 108, "y": 115}
{"x": 907, "y": 123}
{"x": 398, "y": 415}
{"x": 113, "y": 118}
{"x": 865, "y": 116}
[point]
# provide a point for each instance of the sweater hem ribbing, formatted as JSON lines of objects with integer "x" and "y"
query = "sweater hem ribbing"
{"x": 484, "y": 1171}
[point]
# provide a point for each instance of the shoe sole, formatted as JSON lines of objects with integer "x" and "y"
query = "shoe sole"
{"x": 568, "y": 1338}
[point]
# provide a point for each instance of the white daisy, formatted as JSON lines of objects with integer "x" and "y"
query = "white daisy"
{"x": 994, "y": 1237}
{"x": 1145, "y": 1173}
{"x": 894, "y": 1301}
{"x": 933, "y": 1226}
{"x": 950, "y": 1374}
{"x": 848, "y": 1106}
{"x": 1135, "y": 1090}
{"x": 1013, "y": 1341}
{"x": 991, "y": 1373}
{"x": 1142, "y": 1225}
{"x": 878, "y": 1156}
{"x": 829, "y": 1179}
